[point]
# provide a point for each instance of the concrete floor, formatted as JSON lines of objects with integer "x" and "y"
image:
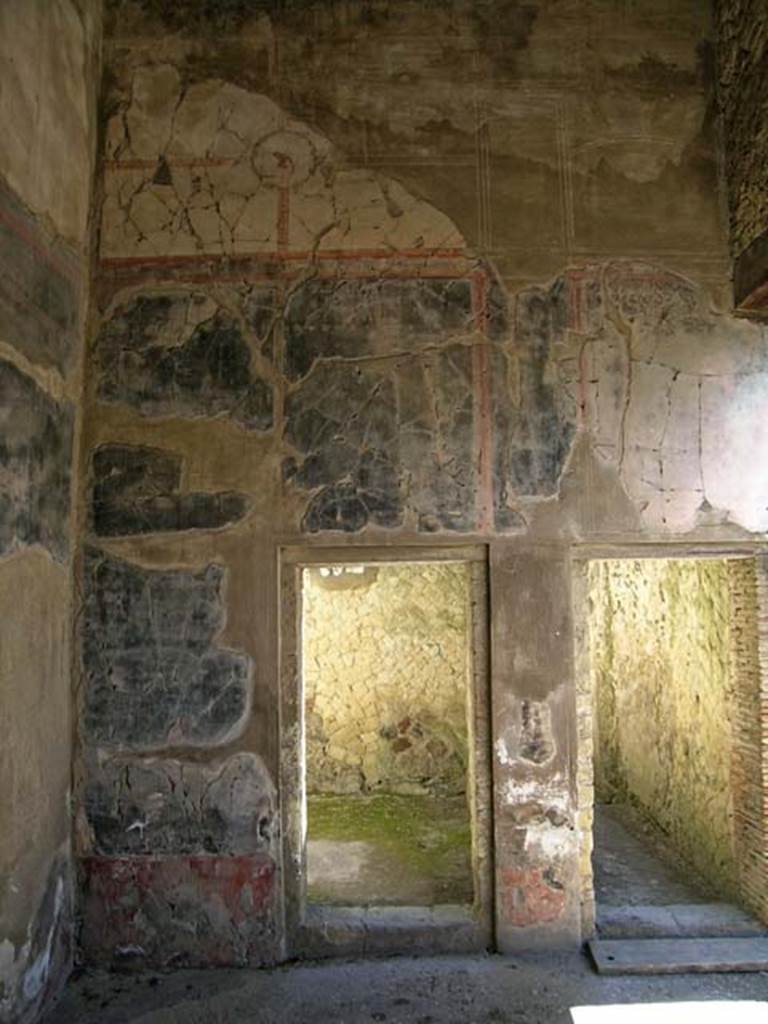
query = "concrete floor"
{"x": 447, "y": 990}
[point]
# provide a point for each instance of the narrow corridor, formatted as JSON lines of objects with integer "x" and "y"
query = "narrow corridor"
{"x": 642, "y": 889}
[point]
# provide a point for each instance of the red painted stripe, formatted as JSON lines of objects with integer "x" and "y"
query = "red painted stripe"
{"x": 283, "y": 219}
{"x": 18, "y": 228}
{"x": 108, "y": 286}
{"x": 150, "y": 165}
{"x": 277, "y": 256}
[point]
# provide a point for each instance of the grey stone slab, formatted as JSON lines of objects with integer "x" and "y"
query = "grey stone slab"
{"x": 715, "y": 919}
{"x": 381, "y": 931}
{"x": 332, "y": 932}
{"x": 694, "y": 920}
{"x": 679, "y": 956}
{"x": 636, "y": 922}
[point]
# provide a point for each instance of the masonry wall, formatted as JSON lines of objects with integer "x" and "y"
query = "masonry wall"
{"x": 666, "y": 685}
{"x": 49, "y": 52}
{"x": 742, "y": 37}
{"x": 377, "y": 273}
{"x": 386, "y": 671}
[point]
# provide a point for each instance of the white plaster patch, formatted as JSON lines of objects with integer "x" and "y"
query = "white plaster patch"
{"x": 224, "y": 170}
{"x": 36, "y": 975}
{"x": 546, "y": 843}
{"x": 673, "y": 397}
{"x": 7, "y": 959}
{"x": 551, "y": 793}
{"x": 735, "y": 447}
{"x": 502, "y": 754}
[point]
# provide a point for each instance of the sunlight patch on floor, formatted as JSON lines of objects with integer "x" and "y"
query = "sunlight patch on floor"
{"x": 716, "y": 1012}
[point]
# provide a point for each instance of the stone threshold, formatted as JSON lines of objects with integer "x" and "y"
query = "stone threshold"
{"x": 679, "y": 956}
{"x": 678, "y": 920}
{"x": 331, "y": 931}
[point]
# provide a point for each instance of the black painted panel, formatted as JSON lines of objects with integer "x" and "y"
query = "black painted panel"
{"x": 154, "y": 674}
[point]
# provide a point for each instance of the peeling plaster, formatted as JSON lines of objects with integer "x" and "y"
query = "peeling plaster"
{"x": 434, "y": 366}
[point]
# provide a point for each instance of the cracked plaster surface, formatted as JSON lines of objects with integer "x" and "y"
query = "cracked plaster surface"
{"x": 138, "y": 490}
{"x": 161, "y": 806}
{"x": 671, "y": 396}
{"x": 380, "y": 416}
{"x": 213, "y": 168}
{"x": 155, "y": 676}
{"x": 383, "y": 396}
{"x": 183, "y": 354}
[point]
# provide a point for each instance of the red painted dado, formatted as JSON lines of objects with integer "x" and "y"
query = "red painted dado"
{"x": 527, "y": 898}
{"x": 212, "y": 910}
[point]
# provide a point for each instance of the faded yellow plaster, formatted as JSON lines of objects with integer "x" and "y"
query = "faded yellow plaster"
{"x": 35, "y": 724}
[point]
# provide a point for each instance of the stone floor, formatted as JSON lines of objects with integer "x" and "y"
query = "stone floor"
{"x": 437, "y": 990}
{"x": 479, "y": 989}
{"x": 632, "y": 867}
{"x": 388, "y": 850}
{"x": 642, "y": 890}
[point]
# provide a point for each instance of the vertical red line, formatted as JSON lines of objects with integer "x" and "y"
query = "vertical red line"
{"x": 481, "y": 406}
{"x": 583, "y": 392}
{"x": 577, "y": 282}
{"x": 285, "y": 172}
{"x": 283, "y": 218}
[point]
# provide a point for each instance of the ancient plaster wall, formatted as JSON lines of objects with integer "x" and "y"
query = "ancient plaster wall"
{"x": 665, "y": 684}
{"x": 394, "y": 273}
{"x": 742, "y": 49}
{"x": 385, "y": 668}
{"x": 49, "y": 53}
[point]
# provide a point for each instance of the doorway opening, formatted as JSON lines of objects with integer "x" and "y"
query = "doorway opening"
{"x": 672, "y": 748}
{"x": 391, "y": 835}
{"x": 387, "y": 659}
